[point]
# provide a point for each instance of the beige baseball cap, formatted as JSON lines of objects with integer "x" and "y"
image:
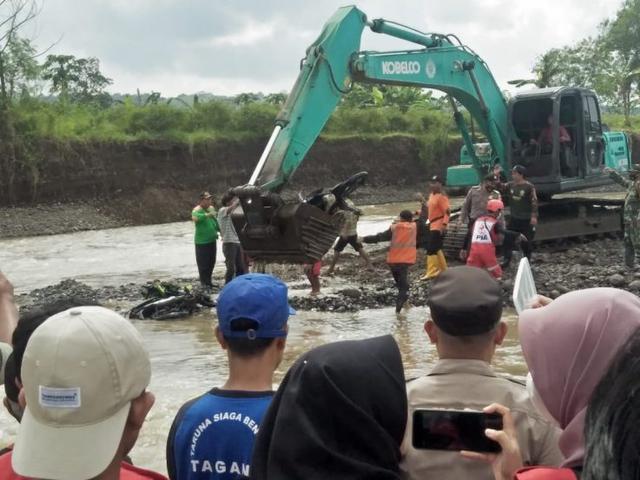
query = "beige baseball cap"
{"x": 80, "y": 371}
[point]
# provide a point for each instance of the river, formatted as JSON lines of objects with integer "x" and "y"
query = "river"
{"x": 186, "y": 361}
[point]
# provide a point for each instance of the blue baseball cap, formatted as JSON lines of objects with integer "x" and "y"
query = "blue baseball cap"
{"x": 258, "y": 297}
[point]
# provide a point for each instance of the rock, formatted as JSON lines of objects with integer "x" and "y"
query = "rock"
{"x": 554, "y": 294}
{"x": 616, "y": 280}
{"x": 635, "y": 285}
{"x": 351, "y": 292}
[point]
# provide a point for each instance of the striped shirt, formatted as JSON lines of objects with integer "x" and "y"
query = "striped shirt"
{"x": 227, "y": 230}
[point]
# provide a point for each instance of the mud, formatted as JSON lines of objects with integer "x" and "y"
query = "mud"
{"x": 557, "y": 270}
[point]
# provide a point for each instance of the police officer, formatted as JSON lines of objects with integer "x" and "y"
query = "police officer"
{"x": 631, "y": 212}
{"x": 465, "y": 327}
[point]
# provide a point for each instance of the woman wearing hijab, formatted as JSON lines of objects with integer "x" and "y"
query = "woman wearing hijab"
{"x": 568, "y": 346}
{"x": 340, "y": 413}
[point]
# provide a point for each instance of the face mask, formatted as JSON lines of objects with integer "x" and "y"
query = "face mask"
{"x": 537, "y": 401}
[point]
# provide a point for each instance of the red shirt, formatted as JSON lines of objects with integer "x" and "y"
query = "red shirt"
{"x": 545, "y": 473}
{"x": 546, "y": 135}
{"x": 127, "y": 471}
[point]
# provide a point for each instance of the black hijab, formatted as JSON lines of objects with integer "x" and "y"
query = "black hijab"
{"x": 340, "y": 413}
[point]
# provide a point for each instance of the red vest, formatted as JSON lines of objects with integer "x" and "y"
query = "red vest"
{"x": 403, "y": 243}
{"x": 546, "y": 473}
{"x": 127, "y": 472}
{"x": 483, "y": 232}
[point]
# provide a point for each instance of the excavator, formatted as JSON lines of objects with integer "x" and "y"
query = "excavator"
{"x": 272, "y": 230}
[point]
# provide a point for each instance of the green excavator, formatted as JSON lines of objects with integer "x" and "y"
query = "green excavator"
{"x": 273, "y": 230}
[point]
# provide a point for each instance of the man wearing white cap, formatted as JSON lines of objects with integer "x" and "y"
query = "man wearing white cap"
{"x": 85, "y": 374}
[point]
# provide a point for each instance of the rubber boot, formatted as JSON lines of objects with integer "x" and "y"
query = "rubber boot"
{"x": 433, "y": 269}
{"x": 442, "y": 262}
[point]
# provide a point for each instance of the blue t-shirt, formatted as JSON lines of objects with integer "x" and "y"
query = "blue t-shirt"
{"x": 212, "y": 436}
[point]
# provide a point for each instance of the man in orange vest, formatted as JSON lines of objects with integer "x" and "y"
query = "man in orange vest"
{"x": 402, "y": 252}
{"x": 438, "y": 208}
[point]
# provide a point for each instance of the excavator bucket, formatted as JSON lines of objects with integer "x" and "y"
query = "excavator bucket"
{"x": 273, "y": 231}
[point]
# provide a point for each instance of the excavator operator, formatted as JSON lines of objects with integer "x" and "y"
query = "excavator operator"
{"x": 545, "y": 139}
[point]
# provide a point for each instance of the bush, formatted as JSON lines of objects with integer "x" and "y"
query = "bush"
{"x": 156, "y": 120}
{"x": 257, "y": 118}
{"x": 214, "y": 115}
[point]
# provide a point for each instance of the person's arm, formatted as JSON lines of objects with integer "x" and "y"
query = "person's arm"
{"x": 547, "y": 451}
{"x": 564, "y": 135}
{"x": 8, "y": 310}
{"x": 447, "y": 211}
{"x": 534, "y": 206}
{"x": 198, "y": 214}
{"x": 616, "y": 177}
{"x": 465, "y": 211}
{"x": 636, "y": 187}
{"x": 378, "y": 237}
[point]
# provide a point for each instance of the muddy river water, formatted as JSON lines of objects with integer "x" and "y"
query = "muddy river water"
{"x": 185, "y": 358}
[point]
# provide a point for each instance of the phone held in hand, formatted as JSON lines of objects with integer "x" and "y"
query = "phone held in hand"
{"x": 455, "y": 430}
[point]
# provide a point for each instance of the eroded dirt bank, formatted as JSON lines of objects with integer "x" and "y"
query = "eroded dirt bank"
{"x": 102, "y": 185}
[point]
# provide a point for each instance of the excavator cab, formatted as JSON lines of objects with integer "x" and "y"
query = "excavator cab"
{"x": 557, "y": 134}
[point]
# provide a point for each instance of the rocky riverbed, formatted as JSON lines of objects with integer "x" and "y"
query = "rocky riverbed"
{"x": 557, "y": 270}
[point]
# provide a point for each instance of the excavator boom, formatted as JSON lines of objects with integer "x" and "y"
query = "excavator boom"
{"x": 299, "y": 233}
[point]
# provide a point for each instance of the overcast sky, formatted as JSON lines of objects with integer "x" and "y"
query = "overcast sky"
{"x": 232, "y": 46}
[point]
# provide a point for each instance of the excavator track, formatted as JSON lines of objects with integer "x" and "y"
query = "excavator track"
{"x": 560, "y": 219}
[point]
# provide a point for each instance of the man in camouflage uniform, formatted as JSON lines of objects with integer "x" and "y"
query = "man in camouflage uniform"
{"x": 631, "y": 212}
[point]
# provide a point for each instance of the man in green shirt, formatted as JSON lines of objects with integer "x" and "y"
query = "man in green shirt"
{"x": 206, "y": 235}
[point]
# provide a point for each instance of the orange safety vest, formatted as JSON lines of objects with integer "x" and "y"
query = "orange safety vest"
{"x": 127, "y": 471}
{"x": 402, "y": 248}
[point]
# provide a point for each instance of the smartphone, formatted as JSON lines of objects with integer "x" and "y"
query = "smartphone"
{"x": 455, "y": 430}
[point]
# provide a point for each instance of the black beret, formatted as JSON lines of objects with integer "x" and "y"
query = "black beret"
{"x": 465, "y": 301}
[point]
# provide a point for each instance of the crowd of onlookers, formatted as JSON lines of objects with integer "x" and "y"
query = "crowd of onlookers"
{"x": 76, "y": 378}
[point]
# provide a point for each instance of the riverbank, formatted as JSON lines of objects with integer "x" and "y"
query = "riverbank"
{"x": 557, "y": 270}
{"x": 150, "y": 206}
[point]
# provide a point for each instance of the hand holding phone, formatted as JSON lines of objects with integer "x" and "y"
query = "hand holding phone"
{"x": 506, "y": 463}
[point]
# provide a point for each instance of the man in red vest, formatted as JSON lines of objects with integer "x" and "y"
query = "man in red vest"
{"x": 488, "y": 230}
{"x": 402, "y": 252}
{"x": 484, "y": 238}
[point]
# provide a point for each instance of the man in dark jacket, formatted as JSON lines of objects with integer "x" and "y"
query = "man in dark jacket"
{"x": 523, "y": 203}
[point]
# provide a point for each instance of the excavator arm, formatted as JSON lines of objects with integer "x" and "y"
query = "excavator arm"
{"x": 333, "y": 62}
{"x": 273, "y": 231}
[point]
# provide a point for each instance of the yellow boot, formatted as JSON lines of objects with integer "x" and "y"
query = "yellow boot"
{"x": 432, "y": 266}
{"x": 442, "y": 262}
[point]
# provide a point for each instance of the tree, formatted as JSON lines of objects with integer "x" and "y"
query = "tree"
{"x": 276, "y": 98}
{"x": 621, "y": 39}
{"x": 546, "y": 71}
{"x": 364, "y": 96}
{"x": 246, "y": 98}
{"x": 76, "y": 79}
{"x": 14, "y": 69}
{"x": 17, "y": 62}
